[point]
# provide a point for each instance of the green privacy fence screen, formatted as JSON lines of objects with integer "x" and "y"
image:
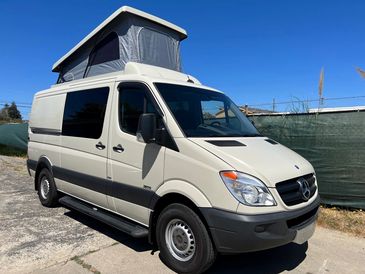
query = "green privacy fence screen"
{"x": 335, "y": 145}
{"x": 14, "y": 135}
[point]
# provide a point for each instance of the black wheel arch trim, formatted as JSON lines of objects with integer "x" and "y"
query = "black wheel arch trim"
{"x": 172, "y": 197}
{"x": 31, "y": 165}
{"x": 36, "y": 166}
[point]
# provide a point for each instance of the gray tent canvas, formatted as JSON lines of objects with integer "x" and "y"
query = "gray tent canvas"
{"x": 128, "y": 35}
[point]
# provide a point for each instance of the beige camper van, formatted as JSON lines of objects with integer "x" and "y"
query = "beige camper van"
{"x": 126, "y": 137}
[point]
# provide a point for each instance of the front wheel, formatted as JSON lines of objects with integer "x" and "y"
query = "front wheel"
{"x": 183, "y": 240}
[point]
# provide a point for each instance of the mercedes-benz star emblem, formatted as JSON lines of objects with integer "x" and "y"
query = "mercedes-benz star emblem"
{"x": 304, "y": 188}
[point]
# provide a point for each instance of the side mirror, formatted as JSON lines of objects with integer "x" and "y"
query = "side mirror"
{"x": 146, "y": 131}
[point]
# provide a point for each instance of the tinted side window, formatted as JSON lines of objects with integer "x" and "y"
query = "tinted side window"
{"x": 133, "y": 101}
{"x": 84, "y": 113}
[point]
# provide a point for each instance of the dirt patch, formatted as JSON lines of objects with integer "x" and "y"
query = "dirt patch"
{"x": 352, "y": 222}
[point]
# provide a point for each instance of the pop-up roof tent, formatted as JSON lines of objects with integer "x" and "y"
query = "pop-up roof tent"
{"x": 128, "y": 35}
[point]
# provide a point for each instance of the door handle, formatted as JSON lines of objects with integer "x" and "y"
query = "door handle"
{"x": 118, "y": 148}
{"x": 100, "y": 146}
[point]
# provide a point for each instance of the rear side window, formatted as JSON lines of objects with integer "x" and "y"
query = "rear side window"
{"x": 133, "y": 101}
{"x": 84, "y": 113}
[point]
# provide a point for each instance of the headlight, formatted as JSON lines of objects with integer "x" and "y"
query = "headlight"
{"x": 247, "y": 189}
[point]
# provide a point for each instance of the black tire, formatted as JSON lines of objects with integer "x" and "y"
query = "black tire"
{"x": 50, "y": 198}
{"x": 190, "y": 225}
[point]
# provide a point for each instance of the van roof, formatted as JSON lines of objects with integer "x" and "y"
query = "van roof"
{"x": 120, "y": 12}
{"x": 133, "y": 72}
{"x": 138, "y": 69}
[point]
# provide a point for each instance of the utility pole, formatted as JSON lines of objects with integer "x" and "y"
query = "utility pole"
{"x": 320, "y": 88}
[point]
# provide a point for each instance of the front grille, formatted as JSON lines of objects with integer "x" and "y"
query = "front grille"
{"x": 290, "y": 191}
{"x": 302, "y": 219}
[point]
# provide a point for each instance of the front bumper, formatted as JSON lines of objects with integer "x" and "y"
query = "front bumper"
{"x": 237, "y": 233}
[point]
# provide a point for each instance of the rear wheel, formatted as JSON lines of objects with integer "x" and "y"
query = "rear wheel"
{"x": 47, "y": 191}
{"x": 183, "y": 240}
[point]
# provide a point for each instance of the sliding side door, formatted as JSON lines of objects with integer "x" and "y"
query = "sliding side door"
{"x": 84, "y": 143}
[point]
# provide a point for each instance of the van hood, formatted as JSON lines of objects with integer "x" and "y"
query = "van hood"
{"x": 261, "y": 157}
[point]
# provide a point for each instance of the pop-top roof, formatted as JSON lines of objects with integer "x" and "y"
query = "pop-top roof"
{"x": 123, "y": 11}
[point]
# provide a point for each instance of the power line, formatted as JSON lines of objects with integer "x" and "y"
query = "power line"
{"x": 309, "y": 100}
{"x": 29, "y": 105}
{"x": 20, "y": 103}
{"x": 19, "y": 106}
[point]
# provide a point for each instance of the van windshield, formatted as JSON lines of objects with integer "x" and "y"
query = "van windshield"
{"x": 205, "y": 113}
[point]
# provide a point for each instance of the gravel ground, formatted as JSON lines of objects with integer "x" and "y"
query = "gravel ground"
{"x": 35, "y": 239}
{"x": 32, "y": 236}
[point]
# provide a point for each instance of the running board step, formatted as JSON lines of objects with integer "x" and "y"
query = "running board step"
{"x": 120, "y": 223}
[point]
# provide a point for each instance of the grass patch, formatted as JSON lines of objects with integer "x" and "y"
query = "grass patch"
{"x": 349, "y": 221}
{"x": 16, "y": 121}
{"x": 10, "y": 151}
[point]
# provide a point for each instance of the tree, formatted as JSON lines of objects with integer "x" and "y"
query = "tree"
{"x": 13, "y": 112}
{"x": 4, "y": 115}
{"x": 8, "y": 113}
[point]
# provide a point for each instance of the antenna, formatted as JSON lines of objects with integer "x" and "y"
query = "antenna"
{"x": 189, "y": 80}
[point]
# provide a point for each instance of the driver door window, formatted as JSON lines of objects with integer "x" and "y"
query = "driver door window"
{"x": 133, "y": 101}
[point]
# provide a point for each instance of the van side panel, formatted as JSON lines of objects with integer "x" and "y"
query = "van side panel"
{"x": 199, "y": 170}
{"x": 185, "y": 189}
{"x": 81, "y": 175}
{"x": 45, "y": 128}
{"x": 47, "y": 112}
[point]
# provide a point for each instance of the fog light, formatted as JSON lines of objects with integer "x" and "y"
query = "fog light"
{"x": 260, "y": 228}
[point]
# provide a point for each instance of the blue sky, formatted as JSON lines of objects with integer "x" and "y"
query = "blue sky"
{"x": 253, "y": 50}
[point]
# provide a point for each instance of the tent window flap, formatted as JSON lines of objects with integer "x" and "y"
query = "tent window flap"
{"x": 106, "y": 50}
